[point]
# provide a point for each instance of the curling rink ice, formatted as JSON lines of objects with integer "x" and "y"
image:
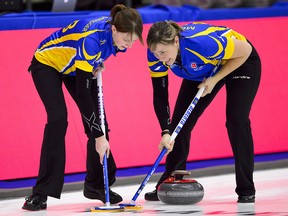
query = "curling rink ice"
{"x": 219, "y": 199}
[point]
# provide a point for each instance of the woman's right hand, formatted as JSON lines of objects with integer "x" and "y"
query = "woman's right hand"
{"x": 100, "y": 68}
{"x": 102, "y": 146}
{"x": 165, "y": 142}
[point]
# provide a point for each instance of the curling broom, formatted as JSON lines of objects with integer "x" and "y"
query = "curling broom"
{"x": 132, "y": 205}
{"x": 107, "y": 207}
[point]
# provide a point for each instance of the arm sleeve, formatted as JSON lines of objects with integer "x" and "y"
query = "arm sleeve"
{"x": 86, "y": 103}
{"x": 161, "y": 101}
{"x": 156, "y": 67}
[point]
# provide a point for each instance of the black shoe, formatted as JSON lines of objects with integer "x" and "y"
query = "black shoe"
{"x": 35, "y": 202}
{"x": 100, "y": 195}
{"x": 246, "y": 199}
{"x": 152, "y": 196}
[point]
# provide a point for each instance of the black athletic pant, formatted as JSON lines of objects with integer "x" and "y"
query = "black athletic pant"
{"x": 50, "y": 178}
{"x": 241, "y": 87}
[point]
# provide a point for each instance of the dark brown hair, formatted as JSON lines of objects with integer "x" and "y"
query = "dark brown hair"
{"x": 127, "y": 19}
{"x": 162, "y": 32}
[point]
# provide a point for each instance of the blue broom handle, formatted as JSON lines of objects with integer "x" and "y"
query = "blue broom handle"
{"x": 148, "y": 176}
{"x": 173, "y": 137}
{"x": 106, "y": 184}
{"x": 102, "y": 124}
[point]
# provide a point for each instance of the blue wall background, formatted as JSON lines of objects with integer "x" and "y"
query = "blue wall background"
{"x": 150, "y": 14}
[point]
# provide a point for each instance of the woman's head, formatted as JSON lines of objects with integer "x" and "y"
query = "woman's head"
{"x": 163, "y": 40}
{"x": 127, "y": 26}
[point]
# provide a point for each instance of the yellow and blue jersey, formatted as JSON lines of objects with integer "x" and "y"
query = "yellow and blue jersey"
{"x": 84, "y": 44}
{"x": 202, "y": 47}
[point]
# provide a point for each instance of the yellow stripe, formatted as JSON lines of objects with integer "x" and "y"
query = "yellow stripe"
{"x": 69, "y": 70}
{"x": 75, "y": 36}
{"x": 87, "y": 56}
{"x": 56, "y": 57}
{"x": 230, "y": 44}
{"x": 229, "y": 49}
{"x": 152, "y": 63}
{"x": 83, "y": 65}
{"x": 206, "y": 61}
{"x": 158, "y": 74}
{"x": 206, "y": 32}
{"x": 220, "y": 47}
{"x": 232, "y": 33}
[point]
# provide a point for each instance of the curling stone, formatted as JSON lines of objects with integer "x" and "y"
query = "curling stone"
{"x": 178, "y": 191}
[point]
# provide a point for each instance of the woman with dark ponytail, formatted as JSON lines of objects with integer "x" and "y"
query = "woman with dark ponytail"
{"x": 73, "y": 55}
{"x": 206, "y": 56}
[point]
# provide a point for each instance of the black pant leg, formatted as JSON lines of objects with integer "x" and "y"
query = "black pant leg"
{"x": 50, "y": 179}
{"x": 94, "y": 176}
{"x": 241, "y": 87}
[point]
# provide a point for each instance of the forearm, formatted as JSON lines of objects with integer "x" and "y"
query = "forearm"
{"x": 86, "y": 103}
{"x": 229, "y": 67}
{"x": 161, "y": 102}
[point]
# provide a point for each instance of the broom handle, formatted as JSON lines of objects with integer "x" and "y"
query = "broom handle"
{"x": 102, "y": 124}
{"x": 173, "y": 137}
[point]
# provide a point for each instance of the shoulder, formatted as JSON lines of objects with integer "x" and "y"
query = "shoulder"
{"x": 195, "y": 27}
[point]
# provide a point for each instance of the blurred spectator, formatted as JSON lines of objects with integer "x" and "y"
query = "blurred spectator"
{"x": 258, "y": 3}
{"x": 97, "y": 4}
{"x": 168, "y": 2}
{"x": 217, "y": 3}
{"x": 46, "y": 5}
{"x": 38, "y": 5}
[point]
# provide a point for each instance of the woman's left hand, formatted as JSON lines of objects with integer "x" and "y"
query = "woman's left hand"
{"x": 209, "y": 84}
